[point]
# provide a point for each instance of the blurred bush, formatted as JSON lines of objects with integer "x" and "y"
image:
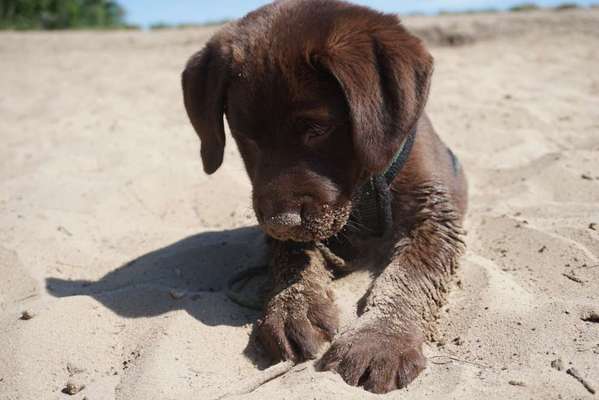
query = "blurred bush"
{"x": 524, "y": 7}
{"x": 61, "y": 14}
{"x": 566, "y": 6}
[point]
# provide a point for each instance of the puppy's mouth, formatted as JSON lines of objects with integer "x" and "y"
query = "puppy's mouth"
{"x": 307, "y": 227}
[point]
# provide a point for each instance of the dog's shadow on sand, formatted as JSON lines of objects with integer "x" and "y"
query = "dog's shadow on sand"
{"x": 190, "y": 274}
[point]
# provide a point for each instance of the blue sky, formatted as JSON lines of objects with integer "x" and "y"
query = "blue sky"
{"x": 145, "y": 12}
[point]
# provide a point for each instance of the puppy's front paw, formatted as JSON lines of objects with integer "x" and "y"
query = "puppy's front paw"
{"x": 297, "y": 322}
{"x": 378, "y": 361}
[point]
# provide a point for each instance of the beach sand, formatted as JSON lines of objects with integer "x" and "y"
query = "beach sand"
{"x": 118, "y": 247}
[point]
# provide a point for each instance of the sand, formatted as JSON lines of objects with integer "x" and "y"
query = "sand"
{"x": 118, "y": 246}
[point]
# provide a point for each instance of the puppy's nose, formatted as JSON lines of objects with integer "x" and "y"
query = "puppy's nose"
{"x": 281, "y": 223}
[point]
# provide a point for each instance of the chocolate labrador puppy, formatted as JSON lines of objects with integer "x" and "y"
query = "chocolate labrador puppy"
{"x": 325, "y": 100}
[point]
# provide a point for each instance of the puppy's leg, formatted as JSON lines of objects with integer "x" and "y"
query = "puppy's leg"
{"x": 383, "y": 350}
{"x": 301, "y": 314}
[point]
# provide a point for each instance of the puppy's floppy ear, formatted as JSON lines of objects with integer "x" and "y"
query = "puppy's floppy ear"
{"x": 385, "y": 74}
{"x": 204, "y": 86}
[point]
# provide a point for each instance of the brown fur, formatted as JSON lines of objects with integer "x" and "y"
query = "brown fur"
{"x": 319, "y": 96}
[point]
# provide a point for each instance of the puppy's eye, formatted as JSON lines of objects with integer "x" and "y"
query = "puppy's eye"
{"x": 313, "y": 131}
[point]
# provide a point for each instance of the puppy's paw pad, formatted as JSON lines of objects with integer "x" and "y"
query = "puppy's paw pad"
{"x": 296, "y": 328}
{"x": 378, "y": 362}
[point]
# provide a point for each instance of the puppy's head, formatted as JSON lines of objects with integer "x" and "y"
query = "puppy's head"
{"x": 319, "y": 96}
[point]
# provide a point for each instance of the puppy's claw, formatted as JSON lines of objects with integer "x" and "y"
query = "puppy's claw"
{"x": 272, "y": 337}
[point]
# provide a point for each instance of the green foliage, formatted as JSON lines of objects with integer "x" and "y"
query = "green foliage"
{"x": 524, "y": 7}
{"x": 160, "y": 25}
{"x": 60, "y": 14}
{"x": 566, "y": 6}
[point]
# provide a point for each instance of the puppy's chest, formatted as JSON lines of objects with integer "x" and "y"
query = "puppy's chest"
{"x": 353, "y": 252}
{"x": 366, "y": 241}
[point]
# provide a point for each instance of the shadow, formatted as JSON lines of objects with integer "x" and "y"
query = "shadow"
{"x": 190, "y": 274}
